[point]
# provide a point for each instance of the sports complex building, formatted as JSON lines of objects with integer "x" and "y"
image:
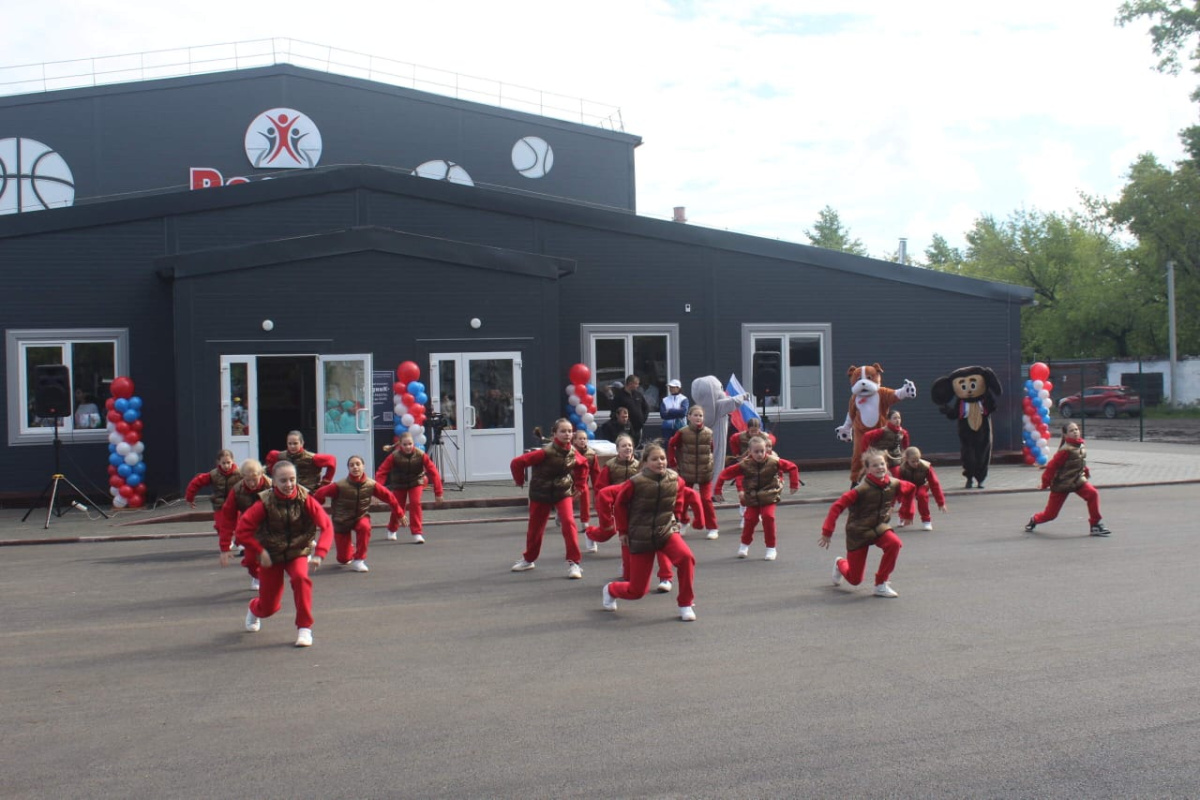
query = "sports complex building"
{"x": 259, "y": 247}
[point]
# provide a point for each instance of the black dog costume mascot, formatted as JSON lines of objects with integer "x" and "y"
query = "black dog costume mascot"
{"x": 969, "y": 395}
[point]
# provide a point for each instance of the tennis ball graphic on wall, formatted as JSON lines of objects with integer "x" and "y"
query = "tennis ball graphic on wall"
{"x": 532, "y": 156}
{"x": 441, "y": 170}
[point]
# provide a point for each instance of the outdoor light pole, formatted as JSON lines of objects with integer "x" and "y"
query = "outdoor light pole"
{"x": 1171, "y": 330}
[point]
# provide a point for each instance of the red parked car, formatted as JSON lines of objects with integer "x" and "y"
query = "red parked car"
{"x": 1106, "y": 400}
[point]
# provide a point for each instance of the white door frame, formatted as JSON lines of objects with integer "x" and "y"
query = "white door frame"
{"x": 481, "y": 453}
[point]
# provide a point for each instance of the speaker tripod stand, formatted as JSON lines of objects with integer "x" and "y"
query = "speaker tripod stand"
{"x": 59, "y": 501}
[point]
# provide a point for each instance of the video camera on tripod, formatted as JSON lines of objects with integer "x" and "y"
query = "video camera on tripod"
{"x": 435, "y": 423}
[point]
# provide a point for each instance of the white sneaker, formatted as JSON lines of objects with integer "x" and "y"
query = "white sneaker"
{"x": 523, "y": 565}
{"x": 885, "y": 590}
{"x": 304, "y": 637}
{"x": 609, "y": 602}
{"x": 663, "y": 587}
{"x": 392, "y": 536}
{"x": 358, "y": 565}
{"x": 687, "y": 613}
{"x": 418, "y": 538}
{"x": 712, "y": 534}
{"x": 253, "y": 623}
{"x": 591, "y": 545}
{"x": 573, "y": 571}
{"x": 770, "y": 554}
{"x": 254, "y": 584}
{"x": 837, "y": 573}
{"x": 927, "y": 526}
{"x": 743, "y": 550}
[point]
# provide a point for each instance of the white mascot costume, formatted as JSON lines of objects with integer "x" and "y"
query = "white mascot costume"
{"x": 708, "y": 393}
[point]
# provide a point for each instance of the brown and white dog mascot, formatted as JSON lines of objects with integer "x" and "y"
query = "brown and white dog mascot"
{"x": 870, "y": 401}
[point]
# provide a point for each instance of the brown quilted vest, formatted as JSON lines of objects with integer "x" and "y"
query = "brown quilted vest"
{"x": 694, "y": 455}
{"x": 871, "y": 516}
{"x": 891, "y": 443}
{"x": 554, "y": 478}
{"x": 917, "y": 475}
{"x": 351, "y": 504}
{"x": 1069, "y": 476}
{"x": 408, "y": 470}
{"x": 308, "y": 474}
{"x": 288, "y": 530}
{"x": 762, "y": 483}
{"x": 244, "y": 496}
{"x": 652, "y": 510}
{"x": 221, "y": 484}
{"x": 621, "y": 471}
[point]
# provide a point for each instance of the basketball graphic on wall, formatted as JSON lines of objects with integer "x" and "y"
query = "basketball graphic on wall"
{"x": 532, "y": 156}
{"x": 444, "y": 171}
{"x": 33, "y": 177}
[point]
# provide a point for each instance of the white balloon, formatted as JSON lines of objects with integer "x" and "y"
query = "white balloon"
{"x": 572, "y": 399}
{"x": 407, "y": 420}
{"x": 139, "y": 448}
{"x": 132, "y": 459}
{"x": 120, "y": 502}
{"x": 570, "y": 388}
{"x": 124, "y": 448}
{"x": 1043, "y": 394}
{"x": 400, "y": 409}
{"x": 1041, "y": 444}
{"x": 115, "y": 438}
{"x": 114, "y": 491}
{"x": 587, "y": 417}
{"x": 591, "y": 426}
{"x": 421, "y": 440}
{"x": 416, "y": 430}
{"x": 1047, "y": 403}
{"x": 111, "y": 426}
{"x": 1037, "y": 386}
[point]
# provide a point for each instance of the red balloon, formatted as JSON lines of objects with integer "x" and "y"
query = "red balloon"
{"x": 136, "y": 425}
{"x": 133, "y": 437}
{"x": 1038, "y": 371}
{"x": 591, "y": 408}
{"x": 1048, "y": 386}
{"x": 408, "y": 400}
{"x": 579, "y": 374}
{"x": 112, "y": 470}
{"x": 126, "y": 490}
{"x": 140, "y": 490}
{"x": 408, "y": 372}
{"x": 1029, "y": 459}
{"x": 580, "y": 389}
{"x": 398, "y": 388}
{"x": 416, "y": 408}
{"x": 116, "y": 480}
{"x": 587, "y": 399}
{"x": 123, "y": 427}
{"x": 122, "y": 387}
{"x": 137, "y": 501}
{"x": 108, "y": 404}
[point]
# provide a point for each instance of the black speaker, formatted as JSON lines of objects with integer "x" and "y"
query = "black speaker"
{"x": 51, "y": 390}
{"x": 767, "y": 368}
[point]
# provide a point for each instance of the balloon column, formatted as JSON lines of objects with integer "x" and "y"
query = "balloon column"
{"x": 581, "y": 400}
{"x": 409, "y": 401}
{"x": 126, "y": 469}
{"x": 1036, "y": 407}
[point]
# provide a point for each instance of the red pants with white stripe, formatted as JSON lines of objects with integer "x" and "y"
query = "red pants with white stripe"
{"x": 362, "y": 538}
{"x": 270, "y": 591}
{"x": 410, "y": 504}
{"x": 642, "y": 564}
{"x": 855, "y": 563}
{"x": 1055, "y": 504}
{"x": 539, "y": 513}
{"x": 753, "y": 514}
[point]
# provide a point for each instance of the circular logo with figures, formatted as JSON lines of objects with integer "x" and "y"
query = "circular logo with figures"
{"x": 533, "y": 157}
{"x": 283, "y": 138}
{"x": 33, "y": 177}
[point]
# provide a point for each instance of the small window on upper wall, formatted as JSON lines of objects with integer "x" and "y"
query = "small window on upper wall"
{"x": 92, "y": 357}
{"x": 614, "y": 352}
{"x": 805, "y": 387}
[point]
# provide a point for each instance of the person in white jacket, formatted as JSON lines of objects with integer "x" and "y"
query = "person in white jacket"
{"x": 708, "y": 393}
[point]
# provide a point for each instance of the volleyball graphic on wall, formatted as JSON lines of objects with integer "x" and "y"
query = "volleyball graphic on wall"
{"x": 444, "y": 171}
{"x": 33, "y": 177}
{"x": 532, "y": 157}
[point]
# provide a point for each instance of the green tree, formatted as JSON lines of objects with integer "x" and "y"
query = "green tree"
{"x": 828, "y": 232}
{"x": 941, "y": 256}
{"x": 1176, "y": 26}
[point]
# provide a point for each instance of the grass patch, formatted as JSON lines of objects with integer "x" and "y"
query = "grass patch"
{"x": 1167, "y": 412}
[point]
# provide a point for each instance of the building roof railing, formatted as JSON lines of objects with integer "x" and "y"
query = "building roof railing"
{"x": 174, "y": 63}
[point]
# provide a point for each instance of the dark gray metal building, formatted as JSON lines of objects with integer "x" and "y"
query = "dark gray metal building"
{"x": 247, "y": 310}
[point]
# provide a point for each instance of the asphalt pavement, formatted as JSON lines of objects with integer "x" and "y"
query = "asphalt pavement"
{"x": 1012, "y": 665}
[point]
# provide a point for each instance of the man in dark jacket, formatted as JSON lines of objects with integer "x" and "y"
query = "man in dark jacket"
{"x": 630, "y": 396}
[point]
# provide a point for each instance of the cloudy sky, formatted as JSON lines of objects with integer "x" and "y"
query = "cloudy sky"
{"x": 908, "y": 118}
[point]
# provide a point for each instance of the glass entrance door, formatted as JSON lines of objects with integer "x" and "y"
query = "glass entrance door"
{"x": 480, "y": 398}
{"x": 344, "y": 384}
{"x": 239, "y": 406}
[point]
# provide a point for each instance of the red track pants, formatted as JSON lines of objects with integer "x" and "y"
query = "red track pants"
{"x": 642, "y": 564}
{"x": 270, "y": 591}
{"x": 855, "y": 565}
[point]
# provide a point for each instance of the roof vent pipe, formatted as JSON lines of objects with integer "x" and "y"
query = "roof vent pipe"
{"x": 680, "y": 214}
{"x": 902, "y": 253}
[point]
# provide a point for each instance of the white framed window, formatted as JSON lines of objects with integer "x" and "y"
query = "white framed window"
{"x": 805, "y": 351}
{"x": 613, "y": 352}
{"x": 92, "y": 356}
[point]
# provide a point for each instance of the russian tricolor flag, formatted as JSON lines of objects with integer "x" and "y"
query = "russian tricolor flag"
{"x": 743, "y": 412}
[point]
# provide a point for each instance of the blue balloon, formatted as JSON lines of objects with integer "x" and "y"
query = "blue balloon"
{"x": 591, "y": 387}
{"x": 131, "y": 415}
{"x": 421, "y": 398}
{"x": 399, "y": 428}
{"x": 140, "y": 467}
{"x": 414, "y": 387}
{"x": 575, "y": 420}
{"x": 1029, "y": 387}
{"x": 135, "y": 402}
{"x": 112, "y": 448}
{"x": 116, "y": 460}
{"x": 121, "y": 405}
{"x": 591, "y": 434}
{"x": 133, "y": 479}
{"x": 124, "y": 470}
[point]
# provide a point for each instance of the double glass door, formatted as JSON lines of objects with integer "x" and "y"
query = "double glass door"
{"x": 480, "y": 401}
